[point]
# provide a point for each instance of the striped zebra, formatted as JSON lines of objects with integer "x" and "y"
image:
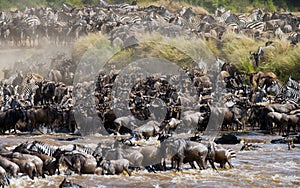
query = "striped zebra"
{"x": 126, "y": 19}
{"x": 293, "y": 84}
{"x": 256, "y": 15}
{"x": 5, "y": 18}
{"x": 243, "y": 20}
{"x": 291, "y": 90}
{"x": 224, "y": 16}
{"x": 42, "y": 148}
{"x": 256, "y": 25}
{"x": 83, "y": 149}
{"x": 294, "y": 37}
{"x": 291, "y": 94}
{"x": 29, "y": 85}
{"x": 32, "y": 20}
{"x": 29, "y": 26}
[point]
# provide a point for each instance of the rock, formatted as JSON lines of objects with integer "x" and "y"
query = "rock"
{"x": 228, "y": 139}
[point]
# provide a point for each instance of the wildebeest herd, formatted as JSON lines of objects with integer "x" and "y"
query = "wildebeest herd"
{"x": 31, "y": 102}
{"x": 66, "y": 24}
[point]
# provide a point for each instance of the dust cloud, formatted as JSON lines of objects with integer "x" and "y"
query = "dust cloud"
{"x": 31, "y": 57}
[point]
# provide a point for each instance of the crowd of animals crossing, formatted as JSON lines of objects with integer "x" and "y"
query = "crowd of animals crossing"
{"x": 38, "y": 159}
{"x": 64, "y": 25}
{"x": 31, "y": 102}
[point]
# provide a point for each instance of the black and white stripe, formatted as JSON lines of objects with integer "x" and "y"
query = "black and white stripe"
{"x": 29, "y": 85}
{"x": 5, "y": 17}
{"x": 83, "y": 149}
{"x": 291, "y": 94}
{"x": 32, "y": 20}
{"x": 294, "y": 37}
{"x": 224, "y": 16}
{"x": 40, "y": 147}
{"x": 293, "y": 84}
{"x": 256, "y": 25}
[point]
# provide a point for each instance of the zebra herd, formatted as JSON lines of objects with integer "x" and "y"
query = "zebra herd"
{"x": 64, "y": 25}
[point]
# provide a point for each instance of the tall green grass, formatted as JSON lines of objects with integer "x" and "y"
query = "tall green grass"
{"x": 284, "y": 60}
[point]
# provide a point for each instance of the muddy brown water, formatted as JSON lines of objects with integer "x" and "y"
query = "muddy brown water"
{"x": 272, "y": 165}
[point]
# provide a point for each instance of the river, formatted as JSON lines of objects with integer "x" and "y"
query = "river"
{"x": 271, "y": 165}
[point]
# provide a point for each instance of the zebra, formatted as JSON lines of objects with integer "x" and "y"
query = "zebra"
{"x": 29, "y": 85}
{"x": 293, "y": 84}
{"x": 40, "y": 147}
{"x": 83, "y": 149}
{"x": 224, "y": 16}
{"x": 32, "y": 20}
{"x": 256, "y": 15}
{"x": 294, "y": 37}
{"x": 256, "y": 25}
{"x": 243, "y": 20}
{"x": 291, "y": 94}
{"x": 30, "y": 28}
{"x": 276, "y": 88}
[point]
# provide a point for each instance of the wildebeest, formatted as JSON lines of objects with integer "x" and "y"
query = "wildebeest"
{"x": 11, "y": 168}
{"x": 31, "y": 158}
{"x": 9, "y": 119}
{"x": 79, "y": 162}
{"x": 48, "y": 92}
{"x": 26, "y": 167}
{"x": 4, "y": 181}
{"x": 191, "y": 121}
{"x": 231, "y": 117}
{"x": 193, "y": 151}
{"x": 68, "y": 184}
{"x": 116, "y": 166}
{"x": 45, "y": 115}
{"x": 182, "y": 151}
{"x": 125, "y": 121}
{"x": 291, "y": 120}
{"x": 151, "y": 128}
{"x": 218, "y": 154}
{"x": 277, "y": 119}
{"x": 50, "y": 164}
{"x": 133, "y": 155}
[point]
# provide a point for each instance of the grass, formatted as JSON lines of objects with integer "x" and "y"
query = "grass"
{"x": 284, "y": 60}
{"x": 179, "y": 50}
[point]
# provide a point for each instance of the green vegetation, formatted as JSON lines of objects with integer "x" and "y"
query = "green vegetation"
{"x": 179, "y": 50}
{"x": 283, "y": 60}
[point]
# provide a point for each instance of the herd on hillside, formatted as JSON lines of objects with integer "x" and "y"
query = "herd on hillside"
{"x": 65, "y": 25}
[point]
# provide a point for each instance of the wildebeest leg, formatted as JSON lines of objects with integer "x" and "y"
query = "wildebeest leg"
{"x": 164, "y": 165}
{"x": 192, "y": 165}
{"x": 199, "y": 163}
{"x": 212, "y": 164}
{"x": 204, "y": 162}
{"x": 127, "y": 170}
{"x": 150, "y": 169}
{"x": 230, "y": 165}
{"x": 77, "y": 166}
{"x": 179, "y": 163}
